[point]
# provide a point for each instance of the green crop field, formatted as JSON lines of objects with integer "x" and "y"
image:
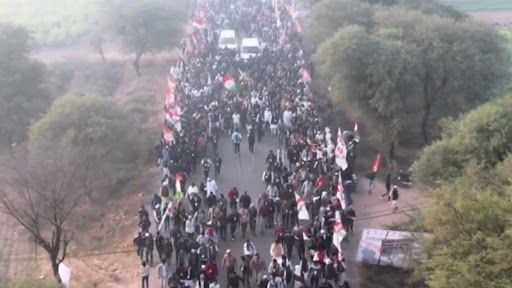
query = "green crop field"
{"x": 52, "y": 22}
{"x": 479, "y": 5}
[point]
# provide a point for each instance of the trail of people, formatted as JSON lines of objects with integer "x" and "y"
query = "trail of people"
{"x": 256, "y": 190}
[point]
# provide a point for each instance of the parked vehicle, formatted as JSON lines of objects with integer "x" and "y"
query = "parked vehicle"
{"x": 227, "y": 39}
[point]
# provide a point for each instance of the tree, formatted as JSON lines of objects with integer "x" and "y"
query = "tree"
{"x": 432, "y": 7}
{"x": 327, "y": 16}
{"x": 116, "y": 146}
{"x": 471, "y": 226}
{"x": 145, "y": 26}
{"x": 483, "y": 137}
{"x": 96, "y": 40}
{"x": 415, "y": 65}
{"x": 42, "y": 192}
{"x": 23, "y": 96}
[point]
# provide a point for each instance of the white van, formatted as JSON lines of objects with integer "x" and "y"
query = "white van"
{"x": 227, "y": 39}
{"x": 250, "y": 48}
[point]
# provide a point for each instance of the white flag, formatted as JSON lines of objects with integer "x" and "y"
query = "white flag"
{"x": 341, "y": 152}
{"x": 301, "y": 208}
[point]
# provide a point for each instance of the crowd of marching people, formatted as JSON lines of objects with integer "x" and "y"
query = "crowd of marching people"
{"x": 305, "y": 198}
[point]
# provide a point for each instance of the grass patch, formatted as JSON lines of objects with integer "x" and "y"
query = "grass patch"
{"x": 52, "y": 22}
{"x": 479, "y": 5}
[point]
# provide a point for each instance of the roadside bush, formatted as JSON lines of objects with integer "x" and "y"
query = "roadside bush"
{"x": 114, "y": 144}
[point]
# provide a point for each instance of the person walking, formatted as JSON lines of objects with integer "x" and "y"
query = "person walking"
{"x": 144, "y": 273}
{"x": 351, "y": 215}
{"x": 245, "y": 268}
{"x": 236, "y": 138}
{"x": 253, "y": 214}
{"x": 258, "y": 266}
{"x": 206, "y": 167}
{"x": 218, "y": 165}
{"x": 276, "y": 250}
{"x": 233, "y": 220}
{"x": 371, "y": 181}
{"x": 229, "y": 262}
{"x": 245, "y": 200}
{"x": 244, "y": 220}
{"x": 388, "y": 187}
{"x": 251, "y": 139}
{"x": 394, "y": 198}
{"x": 233, "y": 197}
{"x": 150, "y": 245}
{"x": 162, "y": 274}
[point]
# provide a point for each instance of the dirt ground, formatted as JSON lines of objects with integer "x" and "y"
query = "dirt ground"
{"x": 97, "y": 255}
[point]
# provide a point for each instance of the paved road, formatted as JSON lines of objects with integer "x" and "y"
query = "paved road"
{"x": 243, "y": 171}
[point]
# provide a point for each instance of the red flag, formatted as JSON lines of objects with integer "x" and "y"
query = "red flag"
{"x": 376, "y": 163}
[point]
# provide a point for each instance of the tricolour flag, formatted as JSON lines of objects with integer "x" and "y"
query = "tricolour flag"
{"x": 301, "y": 208}
{"x": 229, "y": 82}
{"x": 198, "y": 24}
{"x": 173, "y": 117}
{"x": 168, "y": 213}
{"x": 341, "y": 152}
{"x": 376, "y": 163}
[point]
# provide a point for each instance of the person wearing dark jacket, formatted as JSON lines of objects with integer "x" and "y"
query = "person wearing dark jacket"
{"x": 245, "y": 200}
{"x": 394, "y": 198}
{"x": 233, "y": 220}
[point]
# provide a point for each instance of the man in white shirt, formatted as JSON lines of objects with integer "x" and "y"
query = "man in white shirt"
{"x": 249, "y": 249}
{"x": 236, "y": 121}
{"x": 267, "y": 117}
{"x": 287, "y": 118}
{"x": 211, "y": 187}
{"x": 162, "y": 274}
{"x": 192, "y": 189}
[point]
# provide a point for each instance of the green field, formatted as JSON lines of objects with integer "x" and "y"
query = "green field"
{"x": 52, "y": 22}
{"x": 479, "y": 5}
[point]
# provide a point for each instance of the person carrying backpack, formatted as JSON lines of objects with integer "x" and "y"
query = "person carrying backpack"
{"x": 236, "y": 138}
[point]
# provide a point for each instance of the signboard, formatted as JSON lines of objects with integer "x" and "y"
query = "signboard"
{"x": 387, "y": 247}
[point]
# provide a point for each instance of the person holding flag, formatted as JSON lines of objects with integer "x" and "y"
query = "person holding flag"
{"x": 373, "y": 173}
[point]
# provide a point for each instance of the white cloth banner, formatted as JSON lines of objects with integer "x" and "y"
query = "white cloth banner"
{"x": 65, "y": 274}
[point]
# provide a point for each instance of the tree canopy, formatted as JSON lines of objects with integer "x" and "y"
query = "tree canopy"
{"x": 484, "y": 137}
{"x": 145, "y": 26}
{"x": 472, "y": 228}
{"x": 413, "y": 69}
{"x": 23, "y": 93}
{"x": 328, "y": 16}
{"x": 114, "y": 144}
